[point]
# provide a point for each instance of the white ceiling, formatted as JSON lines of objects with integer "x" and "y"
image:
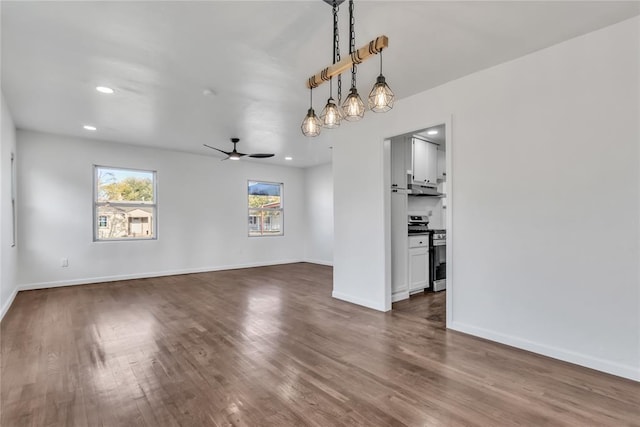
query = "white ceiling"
{"x": 255, "y": 56}
{"x": 439, "y": 138}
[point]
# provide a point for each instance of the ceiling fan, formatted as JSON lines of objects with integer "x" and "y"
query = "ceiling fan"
{"x": 235, "y": 155}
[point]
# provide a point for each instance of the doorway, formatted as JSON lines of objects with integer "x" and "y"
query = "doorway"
{"x": 419, "y": 222}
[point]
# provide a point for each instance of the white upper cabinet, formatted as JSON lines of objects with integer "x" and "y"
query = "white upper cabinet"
{"x": 425, "y": 163}
{"x": 400, "y": 162}
{"x": 442, "y": 165}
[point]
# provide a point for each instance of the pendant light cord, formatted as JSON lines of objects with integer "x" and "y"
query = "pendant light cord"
{"x": 352, "y": 43}
{"x": 336, "y": 49}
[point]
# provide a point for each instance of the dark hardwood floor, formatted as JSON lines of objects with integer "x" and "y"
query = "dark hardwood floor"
{"x": 270, "y": 347}
{"x": 428, "y": 306}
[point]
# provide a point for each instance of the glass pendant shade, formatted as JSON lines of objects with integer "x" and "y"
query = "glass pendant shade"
{"x": 353, "y": 107}
{"x": 311, "y": 124}
{"x": 331, "y": 116}
{"x": 381, "y": 96}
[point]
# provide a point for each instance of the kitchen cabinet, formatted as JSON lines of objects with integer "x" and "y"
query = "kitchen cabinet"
{"x": 442, "y": 165}
{"x": 418, "y": 263}
{"x": 425, "y": 162}
{"x": 399, "y": 244}
{"x": 400, "y": 162}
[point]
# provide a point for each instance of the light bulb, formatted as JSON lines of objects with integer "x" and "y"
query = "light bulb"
{"x": 353, "y": 107}
{"x": 381, "y": 97}
{"x": 311, "y": 124}
{"x": 331, "y": 115}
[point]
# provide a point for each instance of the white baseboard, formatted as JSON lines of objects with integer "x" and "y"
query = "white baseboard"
{"x": 613, "y": 368}
{"x": 320, "y": 262}
{"x": 399, "y": 296}
{"x": 114, "y": 278}
{"x": 359, "y": 301}
{"x": 7, "y": 304}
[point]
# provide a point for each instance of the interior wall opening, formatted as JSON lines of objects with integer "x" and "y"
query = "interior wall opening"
{"x": 419, "y": 221}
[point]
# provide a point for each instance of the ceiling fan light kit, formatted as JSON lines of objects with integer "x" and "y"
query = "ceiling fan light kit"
{"x": 236, "y": 155}
{"x": 381, "y": 96}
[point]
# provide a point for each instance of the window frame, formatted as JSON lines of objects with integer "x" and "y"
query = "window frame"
{"x": 280, "y": 209}
{"x": 144, "y": 205}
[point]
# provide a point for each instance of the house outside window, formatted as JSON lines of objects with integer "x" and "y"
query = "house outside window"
{"x": 266, "y": 210}
{"x": 125, "y": 206}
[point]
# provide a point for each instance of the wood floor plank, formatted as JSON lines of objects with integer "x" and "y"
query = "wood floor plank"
{"x": 269, "y": 347}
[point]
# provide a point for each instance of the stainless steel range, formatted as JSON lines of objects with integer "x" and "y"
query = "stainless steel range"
{"x": 418, "y": 224}
{"x": 438, "y": 260}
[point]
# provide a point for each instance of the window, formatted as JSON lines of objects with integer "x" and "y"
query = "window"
{"x": 125, "y": 204}
{"x": 265, "y": 209}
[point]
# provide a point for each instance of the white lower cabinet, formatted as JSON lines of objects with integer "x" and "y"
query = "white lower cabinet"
{"x": 418, "y": 263}
{"x": 399, "y": 262}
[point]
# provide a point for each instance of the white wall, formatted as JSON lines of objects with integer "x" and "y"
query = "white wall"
{"x": 202, "y": 213}
{"x": 319, "y": 214}
{"x": 546, "y": 201}
{"x": 8, "y": 253}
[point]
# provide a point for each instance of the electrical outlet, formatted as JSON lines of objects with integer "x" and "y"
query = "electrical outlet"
{"x": 430, "y": 213}
{"x": 64, "y": 262}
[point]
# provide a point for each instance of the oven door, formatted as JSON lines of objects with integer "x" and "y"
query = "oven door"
{"x": 438, "y": 273}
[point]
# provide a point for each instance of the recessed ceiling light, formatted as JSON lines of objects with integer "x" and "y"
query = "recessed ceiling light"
{"x": 432, "y": 132}
{"x": 104, "y": 89}
{"x": 288, "y": 158}
{"x": 89, "y": 127}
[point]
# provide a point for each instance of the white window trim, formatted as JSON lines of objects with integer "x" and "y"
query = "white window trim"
{"x": 280, "y": 209}
{"x": 97, "y": 204}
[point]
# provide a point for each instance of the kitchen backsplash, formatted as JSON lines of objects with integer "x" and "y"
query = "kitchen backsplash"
{"x": 420, "y": 205}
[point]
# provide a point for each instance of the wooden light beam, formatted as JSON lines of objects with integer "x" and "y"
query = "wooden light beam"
{"x": 357, "y": 57}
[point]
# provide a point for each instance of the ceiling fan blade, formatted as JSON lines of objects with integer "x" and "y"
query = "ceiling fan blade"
{"x": 235, "y": 155}
{"x": 261, "y": 155}
{"x": 217, "y": 149}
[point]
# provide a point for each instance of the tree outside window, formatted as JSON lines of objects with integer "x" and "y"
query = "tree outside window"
{"x": 265, "y": 209}
{"x": 125, "y": 204}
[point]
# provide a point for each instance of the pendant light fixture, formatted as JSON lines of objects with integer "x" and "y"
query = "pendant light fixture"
{"x": 311, "y": 124}
{"x": 353, "y": 106}
{"x": 381, "y": 97}
{"x": 332, "y": 115}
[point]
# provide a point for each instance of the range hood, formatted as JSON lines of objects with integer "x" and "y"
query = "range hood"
{"x": 421, "y": 190}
